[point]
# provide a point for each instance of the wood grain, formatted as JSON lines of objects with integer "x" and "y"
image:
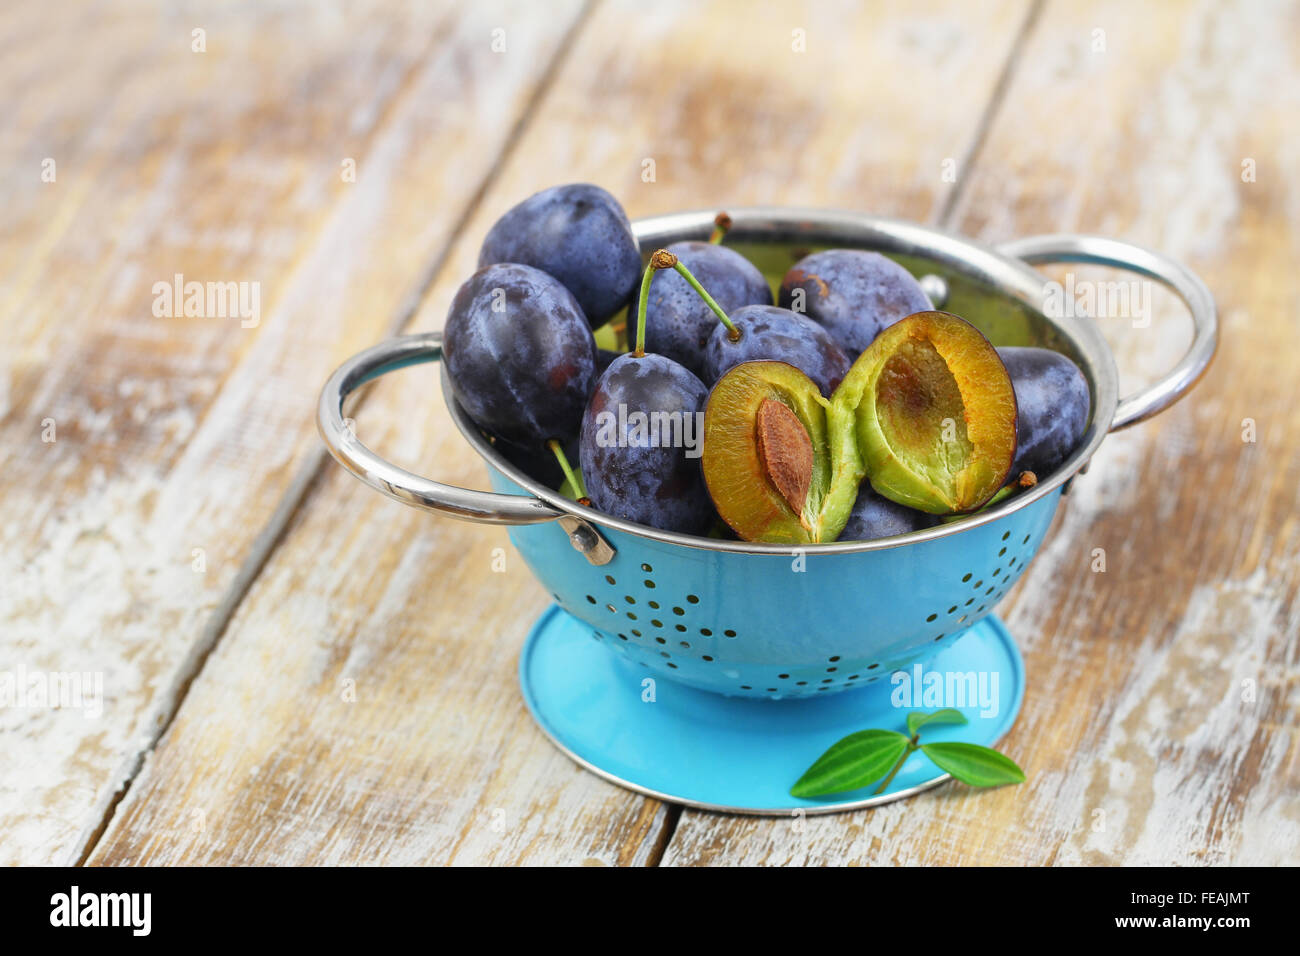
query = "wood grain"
{"x": 1160, "y": 725}
{"x": 437, "y": 760}
{"x": 177, "y": 438}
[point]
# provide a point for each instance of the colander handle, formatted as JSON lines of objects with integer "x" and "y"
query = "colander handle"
{"x": 1098, "y": 250}
{"x": 397, "y": 483}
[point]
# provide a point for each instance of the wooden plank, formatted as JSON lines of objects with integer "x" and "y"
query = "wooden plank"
{"x": 1160, "y": 725}
{"x": 412, "y": 607}
{"x": 177, "y": 437}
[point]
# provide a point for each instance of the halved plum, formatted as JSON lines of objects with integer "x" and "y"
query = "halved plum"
{"x": 779, "y": 464}
{"x": 935, "y": 414}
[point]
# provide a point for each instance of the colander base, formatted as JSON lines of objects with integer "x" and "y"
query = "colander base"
{"x": 741, "y": 755}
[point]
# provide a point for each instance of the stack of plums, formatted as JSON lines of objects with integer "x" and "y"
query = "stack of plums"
{"x": 845, "y": 407}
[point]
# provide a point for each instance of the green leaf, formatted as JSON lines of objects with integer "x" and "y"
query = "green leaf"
{"x": 852, "y": 763}
{"x": 918, "y": 719}
{"x": 973, "y": 764}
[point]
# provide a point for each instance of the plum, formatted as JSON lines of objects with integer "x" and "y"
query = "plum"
{"x": 519, "y": 353}
{"x": 678, "y": 321}
{"x": 639, "y": 438}
{"x": 778, "y": 468}
{"x": 604, "y": 359}
{"x": 1052, "y": 400}
{"x": 875, "y": 516}
{"x": 640, "y": 441}
{"x": 853, "y": 294}
{"x": 774, "y": 334}
{"x": 935, "y": 414}
{"x": 580, "y": 235}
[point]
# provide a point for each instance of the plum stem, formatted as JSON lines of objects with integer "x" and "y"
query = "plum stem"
{"x": 721, "y": 225}
{"x": 642, "y": 300}
{"x": 663, "y": 259}
{"x": 574, "y": 478}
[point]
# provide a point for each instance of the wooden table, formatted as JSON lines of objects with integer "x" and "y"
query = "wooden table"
{"x": 296, "y": 670}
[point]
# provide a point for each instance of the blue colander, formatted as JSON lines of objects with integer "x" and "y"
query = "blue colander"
{"x": 780, "y": 623}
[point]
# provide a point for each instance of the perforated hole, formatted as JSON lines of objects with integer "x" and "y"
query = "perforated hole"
{"x": 626, "y": 605}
